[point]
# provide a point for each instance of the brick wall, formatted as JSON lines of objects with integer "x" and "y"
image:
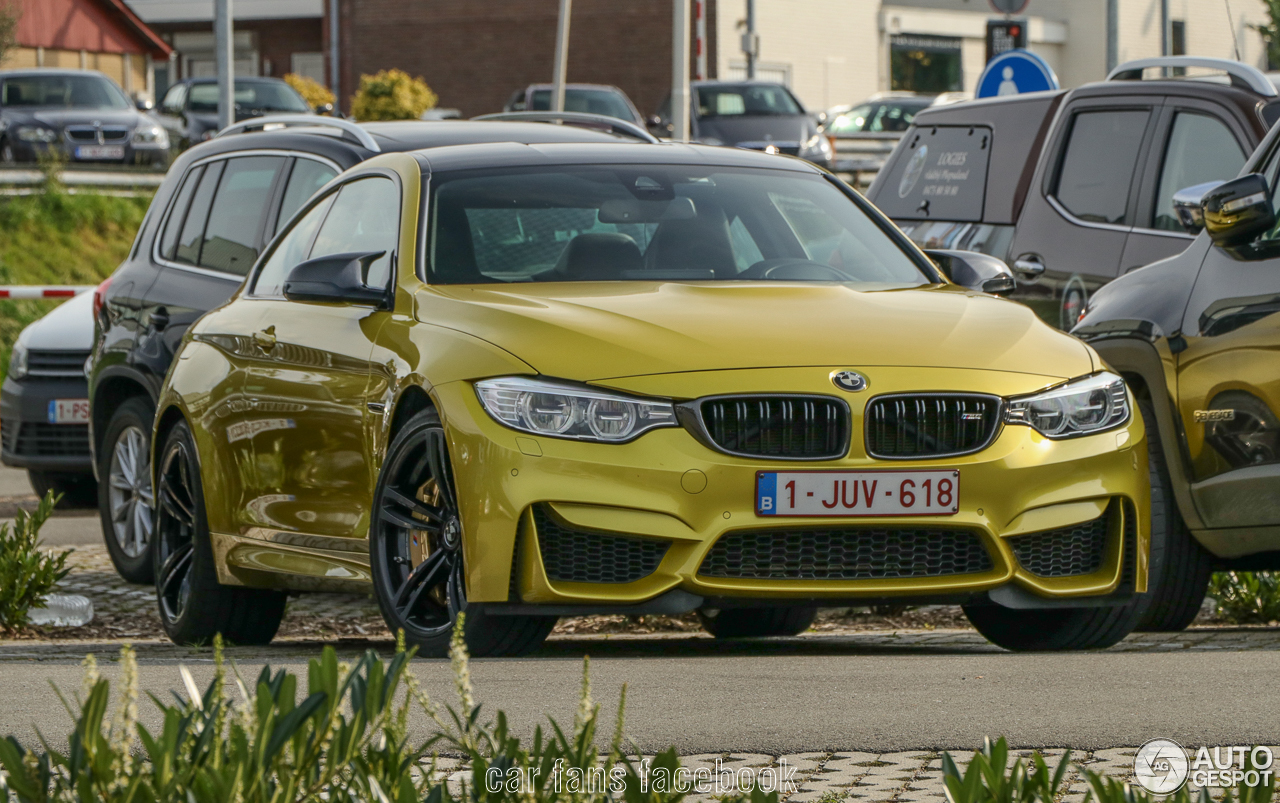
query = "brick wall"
{"x": 475, "y": 54}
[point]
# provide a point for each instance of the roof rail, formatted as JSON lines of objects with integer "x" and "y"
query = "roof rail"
{"x": 361, "y": 137}
{"x": 583, "y": 119}
{"x": 1242, "y": 75}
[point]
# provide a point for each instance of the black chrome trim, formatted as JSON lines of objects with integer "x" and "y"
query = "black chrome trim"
{"x": 995, "y": 431}
{"x": 689, "y": 414}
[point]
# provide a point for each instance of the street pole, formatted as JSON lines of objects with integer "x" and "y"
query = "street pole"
{"x": 334, "y": 69}
{"x": 562, "y": 57}
{"x": 680, "y": 71}
{"x": 1113, "y": 34}
{"x": 224, "y": 55}
{"x": 749, "y": 45}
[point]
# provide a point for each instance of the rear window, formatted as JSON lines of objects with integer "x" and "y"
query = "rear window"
{"x": 940, "y": 175}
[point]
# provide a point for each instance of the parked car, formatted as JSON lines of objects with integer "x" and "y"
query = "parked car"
{"x": 82, "y": 115}
{"x": 44, "y": 403}
{"x": 757, "y": 115}
{"x": 589, "y": 98}
{"x": 635, "y": 378}
{"x": 864, "y": 134}
{"x": 221, "y": 203}
{"x": 1196, "y": 336}
{"x": 189, "y": 110}
{"x": 1074, "y": 188}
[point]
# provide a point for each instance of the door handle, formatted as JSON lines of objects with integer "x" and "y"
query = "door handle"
{"x": 1029, "y": 265}
{"x": 266, "y": 339}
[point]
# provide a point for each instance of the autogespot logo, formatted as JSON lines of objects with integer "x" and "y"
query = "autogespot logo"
{"x": 1160, "y": 766}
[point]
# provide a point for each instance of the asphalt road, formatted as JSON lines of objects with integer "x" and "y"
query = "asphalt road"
{"x": 810, "y": 693}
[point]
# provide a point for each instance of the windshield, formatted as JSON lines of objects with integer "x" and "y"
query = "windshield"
{"x": 592, "y": 101}
{"x": 62, "y": 92}
{"x": 257, "y": 96}
{"x": 875, "y": 118}
{"x": 745, "y": 100}
{"x": 654, "y": 223}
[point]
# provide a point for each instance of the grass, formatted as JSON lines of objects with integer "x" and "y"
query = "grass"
{"x": 56, "y": 238}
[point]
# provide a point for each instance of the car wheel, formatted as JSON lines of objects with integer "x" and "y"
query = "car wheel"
{"x": 1074, "y": 299}
{"x": 416, "y": 555}
{"x": 1054, "y": 629}
{"x": 1179, "y": 568}
{"x": 756, "y": 622}
{"x": 125, "y": 502}
{"x": 6, "y": 153}
{"x": 194, "y": 606}
{"x": 76, "y": 490}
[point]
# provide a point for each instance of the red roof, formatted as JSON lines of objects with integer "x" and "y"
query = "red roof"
{"x": 98, "y": 26}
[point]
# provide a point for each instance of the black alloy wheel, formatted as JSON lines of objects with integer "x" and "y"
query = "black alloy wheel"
{"x": 416, "y": 552}
{"x": 194, "y": 606}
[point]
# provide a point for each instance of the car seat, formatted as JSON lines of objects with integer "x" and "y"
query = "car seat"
{"x": 599, "y": 256}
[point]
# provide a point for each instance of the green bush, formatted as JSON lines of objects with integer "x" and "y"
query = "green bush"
{"x": 391, "y": 95}
{"x": 27, "y": 574}
{"x": 345, "y": 741}
{"x": 1247, "y": 597}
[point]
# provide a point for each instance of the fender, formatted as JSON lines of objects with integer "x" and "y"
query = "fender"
{"x": 106, "y": 379}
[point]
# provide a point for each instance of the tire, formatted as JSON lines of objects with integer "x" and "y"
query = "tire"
{"x": 756, "y": 622}
{"x": 6, "y": 153}
{"x": 194, "y": 606}
{"x": 415, "y": 552}
{"x": 125, "y": 503}
{"x": 1054, "y": 630}
{"x": 76, "y": 490}
{"x": 1179, "y": 568}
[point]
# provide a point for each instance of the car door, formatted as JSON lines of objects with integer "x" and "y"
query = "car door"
{"x": 310, "y": 384}
{"x": 1229, "y": 380}
{"x": 1197, "y": 142}
{"x": 1073, "y": 231}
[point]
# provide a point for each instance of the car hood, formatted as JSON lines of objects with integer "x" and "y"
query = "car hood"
{"x": 732, "y": 130}
{"x": 67, "y": 327}
{"x": 590, "y": 331}
{"x": 57, "y": 118}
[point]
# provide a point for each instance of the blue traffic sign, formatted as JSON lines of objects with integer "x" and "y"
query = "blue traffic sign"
{"x": 1014, "y": 72}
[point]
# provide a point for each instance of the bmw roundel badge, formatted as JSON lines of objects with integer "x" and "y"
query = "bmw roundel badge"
{"x": 851, "y": 381}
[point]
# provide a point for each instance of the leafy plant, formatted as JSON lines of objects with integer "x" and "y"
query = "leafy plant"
{"x": 312, "y": 91}
{"x": 391, "y": 95}
{"x": 1271, "y": 33}
{"x": 8, "y": 27}
{"x": 1247, "y": 597}
{"x": 27, "y": 573}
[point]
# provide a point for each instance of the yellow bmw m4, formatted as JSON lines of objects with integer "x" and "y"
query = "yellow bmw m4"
{"x": 533, "y": 381}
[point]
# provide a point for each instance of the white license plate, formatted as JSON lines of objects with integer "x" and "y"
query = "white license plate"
{"x": 857, "y": 493}
{"x": 100, "y": 152}
{"x": 69, "y": 411}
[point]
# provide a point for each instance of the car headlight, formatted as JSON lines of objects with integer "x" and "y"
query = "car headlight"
{"x": 31, "y": 133}
{"x": 18, "y": 361}
{"x": 557, "y": 410}
{"x": 151, "y": 136}
{"x": 819, "y": 146}
{"x": 1080, "y": 407}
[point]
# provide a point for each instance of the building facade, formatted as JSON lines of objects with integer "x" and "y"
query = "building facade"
{"x": 103, "y": 35}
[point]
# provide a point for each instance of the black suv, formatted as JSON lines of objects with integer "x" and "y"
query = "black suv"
{"x": 219, "y": 206}
{"x": 1197, "y": 337}
{"x": 1073, "y": 188}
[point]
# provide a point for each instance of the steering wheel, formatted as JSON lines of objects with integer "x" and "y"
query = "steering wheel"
{"x": 792, "y": 269}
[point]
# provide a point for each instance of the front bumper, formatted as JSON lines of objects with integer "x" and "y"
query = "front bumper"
{"x": 28, "y": 440}
{"x": 666, "y": 488}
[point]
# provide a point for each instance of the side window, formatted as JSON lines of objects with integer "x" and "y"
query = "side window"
{"x": 365, "y": 217}
{"x": 1201, "y": 148}
{"x": 233, "y": 233}
{"x": 192, "y": 235}
{"x": 1097, "y": 168}
{"x": 172, "y": 226}
{"x": 290, "y": 249}
{"x": 305, "y": 180}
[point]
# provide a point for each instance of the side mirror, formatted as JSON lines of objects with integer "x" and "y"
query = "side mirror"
{"x": 143, "y": 104}
{"x": 1187, "y": 205}
{"x": 975, "y": 271}
{"x": 324, "y": 108}
{"x": 821, "y": 119}
{"x": 1238, "y": 210}
{"x": 335, "y": 278}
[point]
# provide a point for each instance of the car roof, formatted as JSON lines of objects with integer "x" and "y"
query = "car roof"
{"x": 513, "y": 154}
{"x": 49, "y": 71}
{"x": 575, "y": 86}
{"x": 240, "y": 79}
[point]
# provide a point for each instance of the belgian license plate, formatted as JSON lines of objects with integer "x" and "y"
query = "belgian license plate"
{"x": 69, "y": 411}
{"x": 857, "y": 493}
{"x": 100, "y": 152}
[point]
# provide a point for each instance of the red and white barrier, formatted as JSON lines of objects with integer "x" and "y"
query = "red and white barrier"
{"x": 36, "y": 291}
